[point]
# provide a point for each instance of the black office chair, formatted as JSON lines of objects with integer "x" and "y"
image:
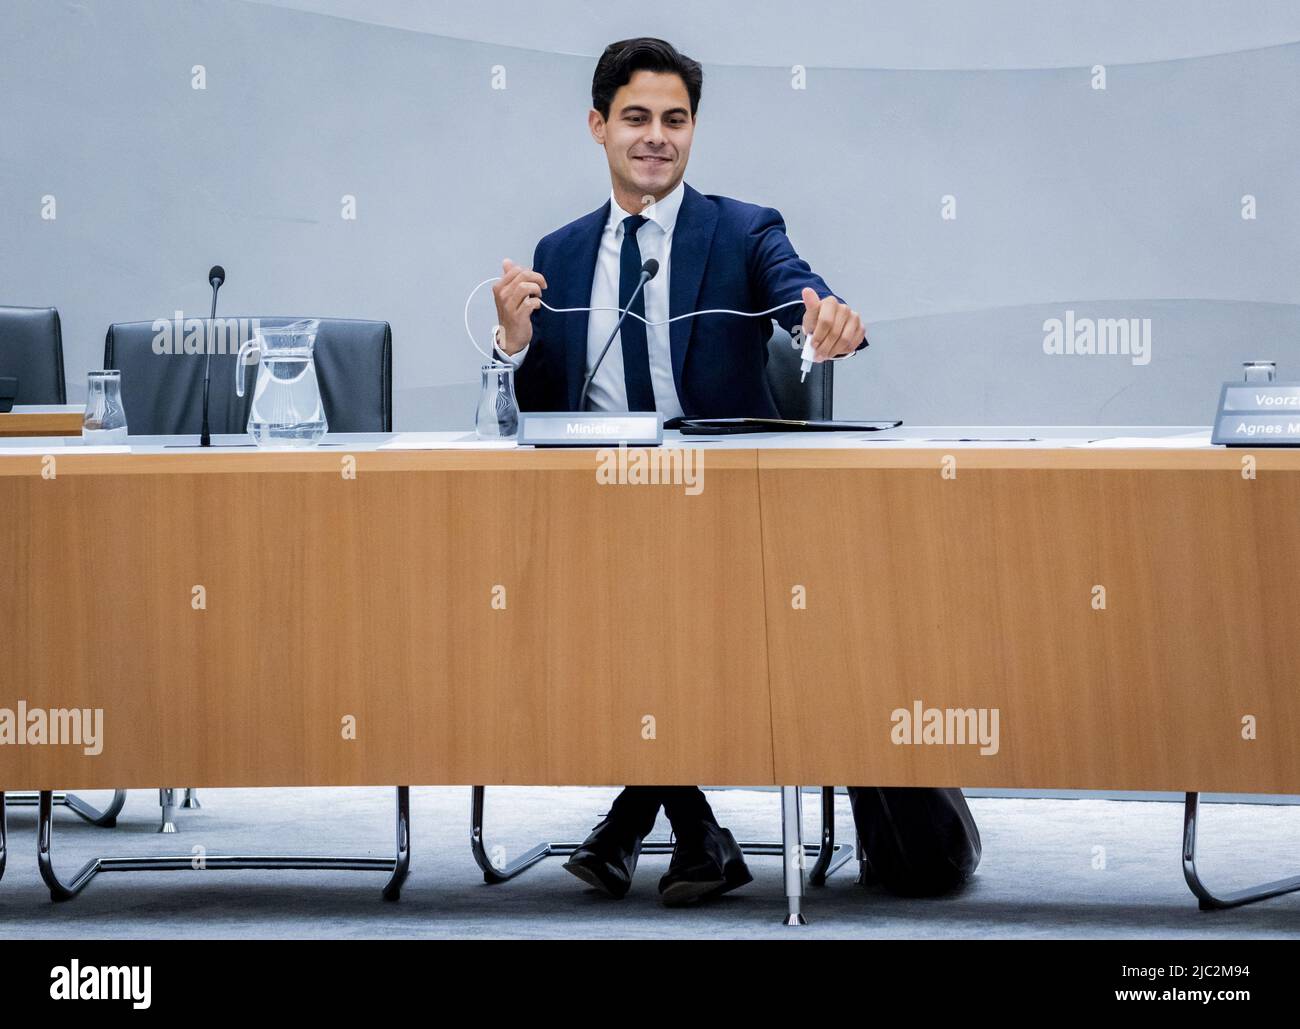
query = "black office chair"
{"x": 806, "y": 401}
{"x": 31, "y": 351}
{"x": 811, "y": 399}
{"x": 162, "y": 393}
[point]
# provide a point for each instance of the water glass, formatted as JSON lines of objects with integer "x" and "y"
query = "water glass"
{"x": 105, "y": 417}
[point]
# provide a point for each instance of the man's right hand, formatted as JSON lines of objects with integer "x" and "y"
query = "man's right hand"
{"x": 518, "y": 293}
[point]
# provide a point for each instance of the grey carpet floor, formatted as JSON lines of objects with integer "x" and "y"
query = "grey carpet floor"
{"x": 1051, "y": 869}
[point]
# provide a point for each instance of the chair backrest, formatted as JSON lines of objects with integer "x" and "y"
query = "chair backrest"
{"x": 163, "y": 392}
{"x": 806, "y": 401}
{"x": 31, "y": 350}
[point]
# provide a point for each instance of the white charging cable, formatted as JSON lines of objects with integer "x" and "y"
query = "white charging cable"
{"x": 806, "y": 357}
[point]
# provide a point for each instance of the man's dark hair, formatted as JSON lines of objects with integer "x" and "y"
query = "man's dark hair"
{"x": 621, "y": 59}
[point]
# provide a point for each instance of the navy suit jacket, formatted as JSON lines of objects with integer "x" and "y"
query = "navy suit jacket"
{"x": 725, "y": 253}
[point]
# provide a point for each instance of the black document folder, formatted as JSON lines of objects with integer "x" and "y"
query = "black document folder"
{"x": 713, "y": 426}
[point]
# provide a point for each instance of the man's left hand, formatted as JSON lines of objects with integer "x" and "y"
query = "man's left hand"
{"x": 833, "y": 329}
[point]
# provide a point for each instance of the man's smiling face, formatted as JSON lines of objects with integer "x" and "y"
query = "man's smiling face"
{"x": 647, "y": 137}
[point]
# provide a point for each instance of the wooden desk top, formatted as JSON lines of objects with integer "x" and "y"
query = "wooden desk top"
{"x": 788, "y": 451}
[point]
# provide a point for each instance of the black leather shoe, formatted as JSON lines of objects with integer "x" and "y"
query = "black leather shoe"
{"x": 607, "y": 858}
{"x": 707, "y": 862}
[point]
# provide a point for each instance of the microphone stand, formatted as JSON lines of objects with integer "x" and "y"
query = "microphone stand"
{"x": 205, "y": 433}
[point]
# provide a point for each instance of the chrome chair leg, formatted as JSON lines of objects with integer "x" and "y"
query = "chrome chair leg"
{"x": 829, "y": 856}
{"x": 398, "y": 866}
{"x": 497, "y": 869}
{"x": 402, "y": 856}
{"x": 167, "y": 801}
{"x": 191, "y": 801}
{"x": 793, "y": 853}
{"x": 105, "y": 819}
{"x": 1209, "y": 901}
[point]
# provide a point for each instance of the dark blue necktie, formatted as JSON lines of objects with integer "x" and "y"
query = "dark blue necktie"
{"x": 636, "y": 352}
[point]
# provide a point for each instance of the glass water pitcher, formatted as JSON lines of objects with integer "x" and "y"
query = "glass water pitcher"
{"x": 287, "y": 409}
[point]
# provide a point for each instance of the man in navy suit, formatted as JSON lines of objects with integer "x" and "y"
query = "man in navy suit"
{"x": 713, "y": 252}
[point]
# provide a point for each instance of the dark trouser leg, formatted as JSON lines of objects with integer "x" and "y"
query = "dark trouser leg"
{"x": 638, "y": 806}
{"x": 917, "y": 841}
{"x": 636, "y": 809}
{"x": 686, "y": 808}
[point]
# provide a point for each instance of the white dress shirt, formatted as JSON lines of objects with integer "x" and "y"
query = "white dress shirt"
{"x": 608, "y": 391}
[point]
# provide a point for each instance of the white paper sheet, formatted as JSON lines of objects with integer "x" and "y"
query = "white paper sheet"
{"x": 63, "y": 451}
{"x": 1190, "y": 439}
{"x": 445, "y": 441}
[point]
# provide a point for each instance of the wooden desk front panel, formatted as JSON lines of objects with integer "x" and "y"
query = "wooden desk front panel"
{"x": 328, "y": 597}
{"x": 976, "y": 592}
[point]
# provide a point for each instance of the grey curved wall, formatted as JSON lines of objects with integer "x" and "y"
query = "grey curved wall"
{"x": 1117, "y": 203}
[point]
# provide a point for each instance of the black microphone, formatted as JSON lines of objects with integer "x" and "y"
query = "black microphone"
{"x": 648, "y": 271}
{"x": 216, "y": 276}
